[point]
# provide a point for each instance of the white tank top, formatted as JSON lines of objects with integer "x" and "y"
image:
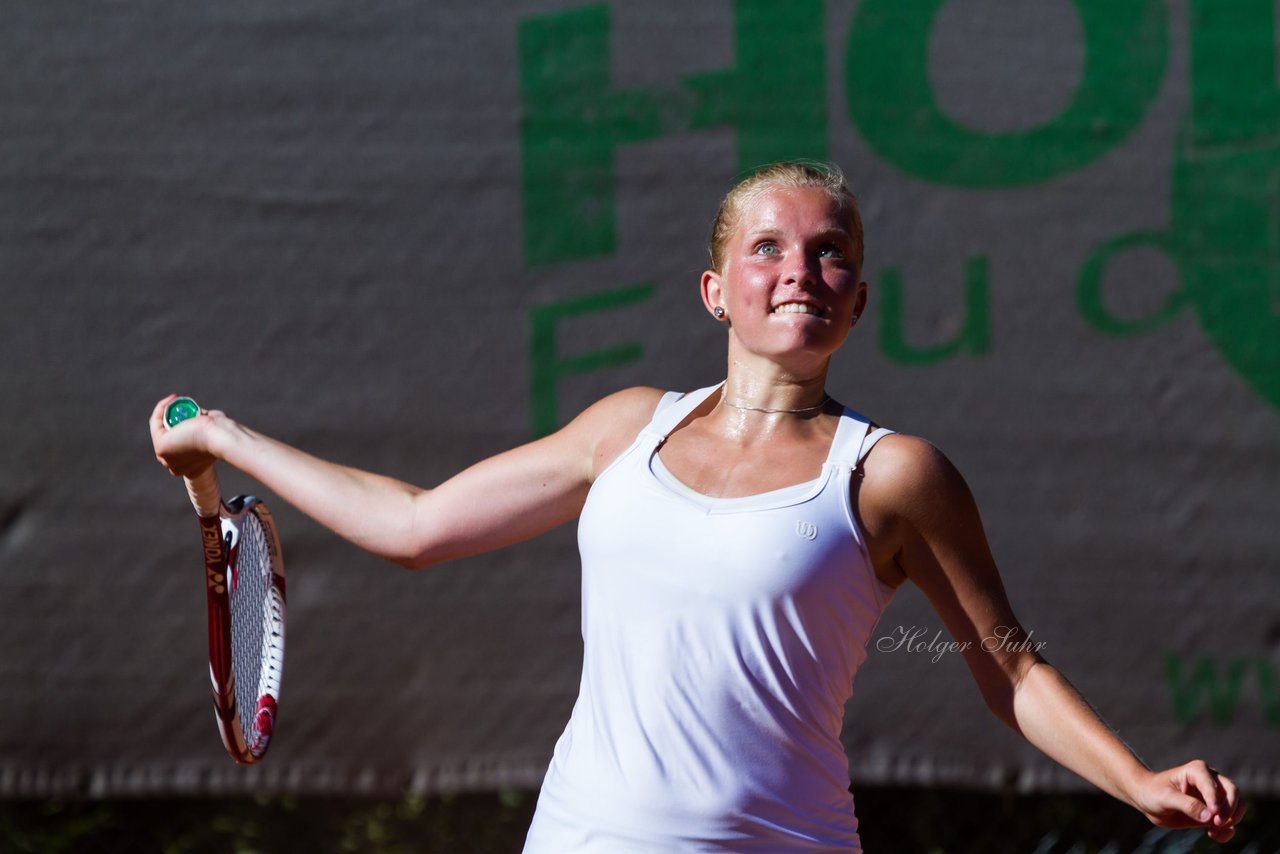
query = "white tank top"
{"x": 721, "y": 640}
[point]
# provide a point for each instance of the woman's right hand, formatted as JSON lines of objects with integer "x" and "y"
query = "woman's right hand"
{"x": 187, "y": 449}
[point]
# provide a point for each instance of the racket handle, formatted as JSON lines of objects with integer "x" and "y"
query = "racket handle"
{"x": 204, "y": 493}
{"x": 203, "y": 488}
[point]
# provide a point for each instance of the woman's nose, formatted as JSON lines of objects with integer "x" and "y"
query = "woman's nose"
{"x": 803, "y": 270}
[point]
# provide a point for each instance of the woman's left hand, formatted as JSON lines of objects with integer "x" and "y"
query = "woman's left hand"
{"x": 1192, "y": 795}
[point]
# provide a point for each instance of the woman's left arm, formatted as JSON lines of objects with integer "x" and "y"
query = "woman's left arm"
{"x": 934, "y": 525}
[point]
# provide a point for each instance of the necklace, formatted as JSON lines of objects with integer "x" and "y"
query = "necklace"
{"x": 817, "y": 405}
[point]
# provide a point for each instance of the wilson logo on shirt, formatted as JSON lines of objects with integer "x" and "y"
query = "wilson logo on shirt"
{"x": 807, "y": 530}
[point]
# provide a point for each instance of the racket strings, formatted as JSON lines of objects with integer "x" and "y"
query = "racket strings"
{"x": 257, "y": 637}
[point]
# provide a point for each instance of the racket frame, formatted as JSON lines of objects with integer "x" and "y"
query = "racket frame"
{"x": 220, "y": 535}
{"x": 221, "y": 525}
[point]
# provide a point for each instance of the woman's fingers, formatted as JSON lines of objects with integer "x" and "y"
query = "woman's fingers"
{"x": 182, "y": 449}
{"x": 1201, "y": 796}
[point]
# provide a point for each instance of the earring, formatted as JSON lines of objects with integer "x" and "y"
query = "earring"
{"x": 854, "y": 321}
{"x": 718, "y": 311}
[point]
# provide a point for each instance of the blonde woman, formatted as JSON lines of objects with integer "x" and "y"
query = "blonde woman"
{"x": 739, "y": 543}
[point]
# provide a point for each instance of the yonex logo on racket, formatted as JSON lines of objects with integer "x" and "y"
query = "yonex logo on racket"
{"x": 212, "y": 557}
{"x": 808, "y": 530}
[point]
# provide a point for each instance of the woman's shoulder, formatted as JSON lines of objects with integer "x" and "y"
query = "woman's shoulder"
{"x": 634, "y": 405}
{"x": 614, "y": 421}
{"x": 909, "y": 473}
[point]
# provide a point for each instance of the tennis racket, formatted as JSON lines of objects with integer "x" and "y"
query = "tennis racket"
{"x": 244, "y": 577}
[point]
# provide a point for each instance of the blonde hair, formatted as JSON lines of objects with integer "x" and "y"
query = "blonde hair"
{"x": 787, "y": 175}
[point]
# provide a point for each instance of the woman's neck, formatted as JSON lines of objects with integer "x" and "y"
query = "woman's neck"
{"x": 764, "y": 399}
{"x": 768, "y": 387}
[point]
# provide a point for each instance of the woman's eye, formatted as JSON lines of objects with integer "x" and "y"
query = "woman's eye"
{"x": 830, "y": 251}
{"x": 767, "y": 248}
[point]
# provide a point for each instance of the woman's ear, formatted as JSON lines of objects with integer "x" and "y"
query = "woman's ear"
{"x": 860, "y": 301}
{"x": 713, "y": 294}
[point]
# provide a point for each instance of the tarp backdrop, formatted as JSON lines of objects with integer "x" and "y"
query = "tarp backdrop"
{"x": 405, "y": 235}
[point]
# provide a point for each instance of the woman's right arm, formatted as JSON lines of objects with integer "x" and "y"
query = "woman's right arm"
{"x": 499, "y": 501}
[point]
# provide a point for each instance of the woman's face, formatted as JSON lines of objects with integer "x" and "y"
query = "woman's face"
{"x": 788, "y": 284}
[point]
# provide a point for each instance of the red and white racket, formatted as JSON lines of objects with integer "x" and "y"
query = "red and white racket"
{"x": 244, "y": 577}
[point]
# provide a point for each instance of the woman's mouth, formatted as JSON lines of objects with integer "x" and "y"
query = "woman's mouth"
{"x": 798, "y": 308}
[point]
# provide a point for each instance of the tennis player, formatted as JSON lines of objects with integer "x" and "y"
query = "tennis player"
{"x": 739, "y": 543}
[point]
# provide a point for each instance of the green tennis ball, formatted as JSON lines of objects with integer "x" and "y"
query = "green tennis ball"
{"x": 180, "y": 410}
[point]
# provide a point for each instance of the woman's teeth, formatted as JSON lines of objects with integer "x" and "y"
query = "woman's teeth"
{"x": 797, "y": 308}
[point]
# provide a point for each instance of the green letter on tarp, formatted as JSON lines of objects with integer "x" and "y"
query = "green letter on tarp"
{"x": 891, "y": 99}
{"x": 573, "y": 120}
{"x": 1190, "y": 692}
{"x": 1223, "y": 233}
{"x": 548, "y": 366}
{"x": 1226, "y": 181}
{"x": 973, "y": 335}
